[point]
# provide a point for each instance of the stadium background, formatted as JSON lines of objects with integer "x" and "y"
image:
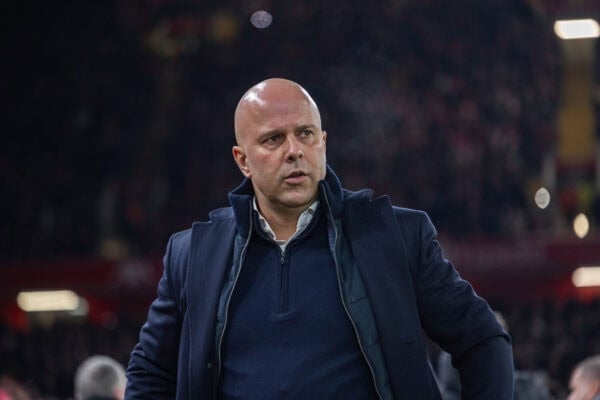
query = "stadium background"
{"x": 117, "y": 128}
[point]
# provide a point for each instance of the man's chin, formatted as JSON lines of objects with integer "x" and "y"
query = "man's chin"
{"x": 297, "y": 202}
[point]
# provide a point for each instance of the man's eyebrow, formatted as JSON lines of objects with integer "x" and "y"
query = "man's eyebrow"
{"x": 307, "y": 126}
{"x": 278, "y": 131}
{"x": 271, "y": 132}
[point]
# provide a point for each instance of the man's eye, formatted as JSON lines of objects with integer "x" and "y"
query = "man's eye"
{"x": 273, "y": 139}
{"x": 307, "y": 132}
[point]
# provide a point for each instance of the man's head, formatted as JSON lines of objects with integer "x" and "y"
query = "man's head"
{"x": 280, "y": 145}
{"x": 100, "y": 377}
{"x": 585, "y": 380}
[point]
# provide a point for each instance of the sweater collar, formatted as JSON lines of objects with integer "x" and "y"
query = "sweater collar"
{"x": 330, "y": 194}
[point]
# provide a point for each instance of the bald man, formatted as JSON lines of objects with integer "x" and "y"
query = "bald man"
{"x": 304, "y": 290}
{"x": 585, "y": 380}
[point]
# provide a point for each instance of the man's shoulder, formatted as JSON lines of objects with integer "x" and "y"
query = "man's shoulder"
{"x": 365, "y": 198}
{"x": 218, "y": 216}
{"x": 221, "y": 214}
{"x": 409, "y": 214}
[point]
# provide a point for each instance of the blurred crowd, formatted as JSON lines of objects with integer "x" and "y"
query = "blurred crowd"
{"x": 121, "y": 112}
{"x": 554, "y": 336}
{"x": 549, "y": 338}
{"x": 42, "y": 360}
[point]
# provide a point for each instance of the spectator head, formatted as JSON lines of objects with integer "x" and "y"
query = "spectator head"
{"x": 585, "y": 380}
{"x": 100, "y": 378}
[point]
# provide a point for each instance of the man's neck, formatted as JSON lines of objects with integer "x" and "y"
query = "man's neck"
{"x": 282, "y": 223}
{"x": 282, "y": 220}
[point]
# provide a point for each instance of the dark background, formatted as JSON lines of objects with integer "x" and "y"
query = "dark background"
{"x": 117, "y": 125}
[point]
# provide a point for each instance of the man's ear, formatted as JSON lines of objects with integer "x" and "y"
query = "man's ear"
{"x": 595, "y": 387}
{"x": 239, "y": 156}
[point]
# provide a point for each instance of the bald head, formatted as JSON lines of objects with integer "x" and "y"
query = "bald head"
{"x": 271, "y": 96}
{"x": 590, "y": 368}
{"x": 585, "y": 380}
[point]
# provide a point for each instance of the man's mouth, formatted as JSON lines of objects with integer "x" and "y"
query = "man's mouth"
{"x": 295, "y": 178}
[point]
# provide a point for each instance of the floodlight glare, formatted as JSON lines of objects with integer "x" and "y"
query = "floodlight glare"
{"x": 48, "y": 300}
{"x": 586, "y": 277}
{"x": 577, "y": 29}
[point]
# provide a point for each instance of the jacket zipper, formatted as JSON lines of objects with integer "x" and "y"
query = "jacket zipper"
{"x": 337, "y": 270}
{"x": 241, "y": 261}
{"x": 283, "y": 308}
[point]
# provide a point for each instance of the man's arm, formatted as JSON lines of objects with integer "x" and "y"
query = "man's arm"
{"x": 152, "y": 369}
{"x": 462, "y": 323}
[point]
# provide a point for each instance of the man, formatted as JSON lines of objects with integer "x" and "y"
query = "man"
{"x": 100, "y": 378}
{"x": 304, "y": 290}
{"x": 585, "y": 380}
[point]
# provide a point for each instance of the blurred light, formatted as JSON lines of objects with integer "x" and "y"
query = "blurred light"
{"x": 581, "y": 225}
{"x": 113, "y": 249}
{"x": 261, "y": 19}
{"x": 577, "y": 29}
{"x": 542, "y": 198}
{"x": 82, "y": 309}
{"x": 48, "y": 300}
{"x": 223, "y": 28}
{"x": 586, "y": 276}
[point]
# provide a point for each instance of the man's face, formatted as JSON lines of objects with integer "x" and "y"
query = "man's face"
{"x": 582, "y": 388}
{"x": 281, "y": 148}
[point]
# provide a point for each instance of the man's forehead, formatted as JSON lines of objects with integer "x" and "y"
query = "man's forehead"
{"x": 257, "y": 108}
{"x": 276, "y": 90}
{"x": 272, "y": 102}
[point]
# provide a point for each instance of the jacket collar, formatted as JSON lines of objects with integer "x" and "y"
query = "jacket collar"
{"x": 330, "y": 192}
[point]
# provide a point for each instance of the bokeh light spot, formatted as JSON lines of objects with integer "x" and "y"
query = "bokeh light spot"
{"x": 542, "y": 198}
{"x": 581, "y": 225}
{"x": 261, "y": 19}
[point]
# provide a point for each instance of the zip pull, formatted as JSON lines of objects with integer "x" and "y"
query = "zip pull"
{"x": 284, "y": 274}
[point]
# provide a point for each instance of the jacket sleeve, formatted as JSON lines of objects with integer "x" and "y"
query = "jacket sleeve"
{"x": 461, "y": 323}
{"x": 152, "y": 368}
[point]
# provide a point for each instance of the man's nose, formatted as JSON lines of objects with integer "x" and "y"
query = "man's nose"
{"x": 294, "y": 149}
